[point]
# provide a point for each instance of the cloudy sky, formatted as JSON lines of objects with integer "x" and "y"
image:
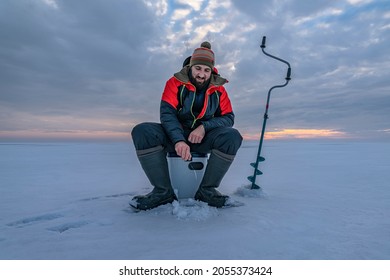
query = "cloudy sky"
{"x": 95, "y": 68}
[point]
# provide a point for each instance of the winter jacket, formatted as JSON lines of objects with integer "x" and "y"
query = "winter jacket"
{"x": 176, "y": 114}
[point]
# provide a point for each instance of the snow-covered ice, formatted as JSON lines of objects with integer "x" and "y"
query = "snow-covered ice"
{"x": 319, "y": 200}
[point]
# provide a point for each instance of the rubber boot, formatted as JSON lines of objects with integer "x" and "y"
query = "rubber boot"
{"x": 155, "y": 165}
{"x": 217, "y": 166}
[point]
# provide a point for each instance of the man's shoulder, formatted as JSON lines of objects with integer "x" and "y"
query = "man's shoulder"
{"x": 182, "y": 75}
{"x": 218, "y": 81}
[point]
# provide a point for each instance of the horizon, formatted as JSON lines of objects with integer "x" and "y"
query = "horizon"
{"x": 301, "y": 136}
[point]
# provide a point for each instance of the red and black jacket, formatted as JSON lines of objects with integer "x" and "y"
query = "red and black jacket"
{"x": 176, "y": 109}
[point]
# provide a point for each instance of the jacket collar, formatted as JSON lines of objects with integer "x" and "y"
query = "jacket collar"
{"x": 216, "y": 79}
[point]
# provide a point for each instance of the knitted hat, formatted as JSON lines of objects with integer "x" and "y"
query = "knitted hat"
{"x": 203, "y": 55}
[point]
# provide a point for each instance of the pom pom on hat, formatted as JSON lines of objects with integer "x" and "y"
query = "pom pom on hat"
{"x": 206, "y": 45}
{"x": 203, "y": 55}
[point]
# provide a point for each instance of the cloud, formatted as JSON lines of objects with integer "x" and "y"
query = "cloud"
{"x": 180, "y": 14}
{"x": 194, "y": 4}
{"x": 159, "y": 6}
{"x": 77, "y": 59}
{"x": 68, "y": 65}
{"x": 51, "y": 3}
{"x": 335, "y": 69}
{"x": 358, "y": 2}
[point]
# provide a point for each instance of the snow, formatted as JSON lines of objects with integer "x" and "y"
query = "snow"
{"x": 319, "y": 200}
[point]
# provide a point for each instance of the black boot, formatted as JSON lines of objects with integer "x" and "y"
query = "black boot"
{"x": 155, "y": 166}
{"x": 217, "y": 166}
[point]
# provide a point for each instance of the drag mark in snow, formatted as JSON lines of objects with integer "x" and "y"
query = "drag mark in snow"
{"x": 107, "y": 196}
{"x": 34, "y": 220}
{"x": 68, "y": 226}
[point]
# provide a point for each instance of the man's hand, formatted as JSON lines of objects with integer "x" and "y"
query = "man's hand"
{"x": 183, "y": 150}
{"x": 196, "y": 136}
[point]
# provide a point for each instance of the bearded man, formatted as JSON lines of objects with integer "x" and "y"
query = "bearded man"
{"x": 196, "y": 115}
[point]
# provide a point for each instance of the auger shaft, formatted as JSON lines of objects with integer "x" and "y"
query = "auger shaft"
{"x": 259, "y": 158}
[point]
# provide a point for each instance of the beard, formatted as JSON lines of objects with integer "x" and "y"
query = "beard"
{"x": 199, "y": 83}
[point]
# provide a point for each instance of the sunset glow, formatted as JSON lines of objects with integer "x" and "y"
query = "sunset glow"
{"x": 298, "y": 134}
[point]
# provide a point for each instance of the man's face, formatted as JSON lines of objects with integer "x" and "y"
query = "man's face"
{"x": 201, "y": 74}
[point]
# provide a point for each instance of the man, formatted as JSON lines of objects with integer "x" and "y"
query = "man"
{"x": 196, "y": 116}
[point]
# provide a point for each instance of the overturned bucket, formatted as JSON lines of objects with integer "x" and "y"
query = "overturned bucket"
{"x": 186, "y": 175}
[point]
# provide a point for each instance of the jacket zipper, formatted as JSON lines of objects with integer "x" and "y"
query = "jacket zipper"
{"x": 205, "y": 104}
{"x": 181, "y": 96}
{"x": 192, "y": 105}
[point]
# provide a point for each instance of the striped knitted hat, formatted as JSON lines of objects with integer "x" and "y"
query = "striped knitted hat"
{"x": 203, "y": 55}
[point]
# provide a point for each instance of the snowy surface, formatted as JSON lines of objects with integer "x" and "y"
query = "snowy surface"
{"x": 320, "y": 200}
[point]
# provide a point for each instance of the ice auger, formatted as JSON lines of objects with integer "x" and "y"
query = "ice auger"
{"x": 259, "y": 158}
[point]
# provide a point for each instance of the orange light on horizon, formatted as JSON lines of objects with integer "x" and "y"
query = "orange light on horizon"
{"x": 299, "y": 133}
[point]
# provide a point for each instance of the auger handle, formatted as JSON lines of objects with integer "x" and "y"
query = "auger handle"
{"x": 288, "y": 77}
{"x": 263, "y": 42}
{"x": 262, "y": 46}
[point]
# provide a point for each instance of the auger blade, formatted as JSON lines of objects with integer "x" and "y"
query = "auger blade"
{"x": 260, "y": 159}
{"x": 258, "y": 172}
{"x": 253, "y": 185}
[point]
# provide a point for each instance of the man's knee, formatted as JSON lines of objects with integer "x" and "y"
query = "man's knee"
{"x": 139, "y": 130}
{"x": 229, "y": 141}
{"x": 235, "y": 140}
{"x": 147, "y": 135}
